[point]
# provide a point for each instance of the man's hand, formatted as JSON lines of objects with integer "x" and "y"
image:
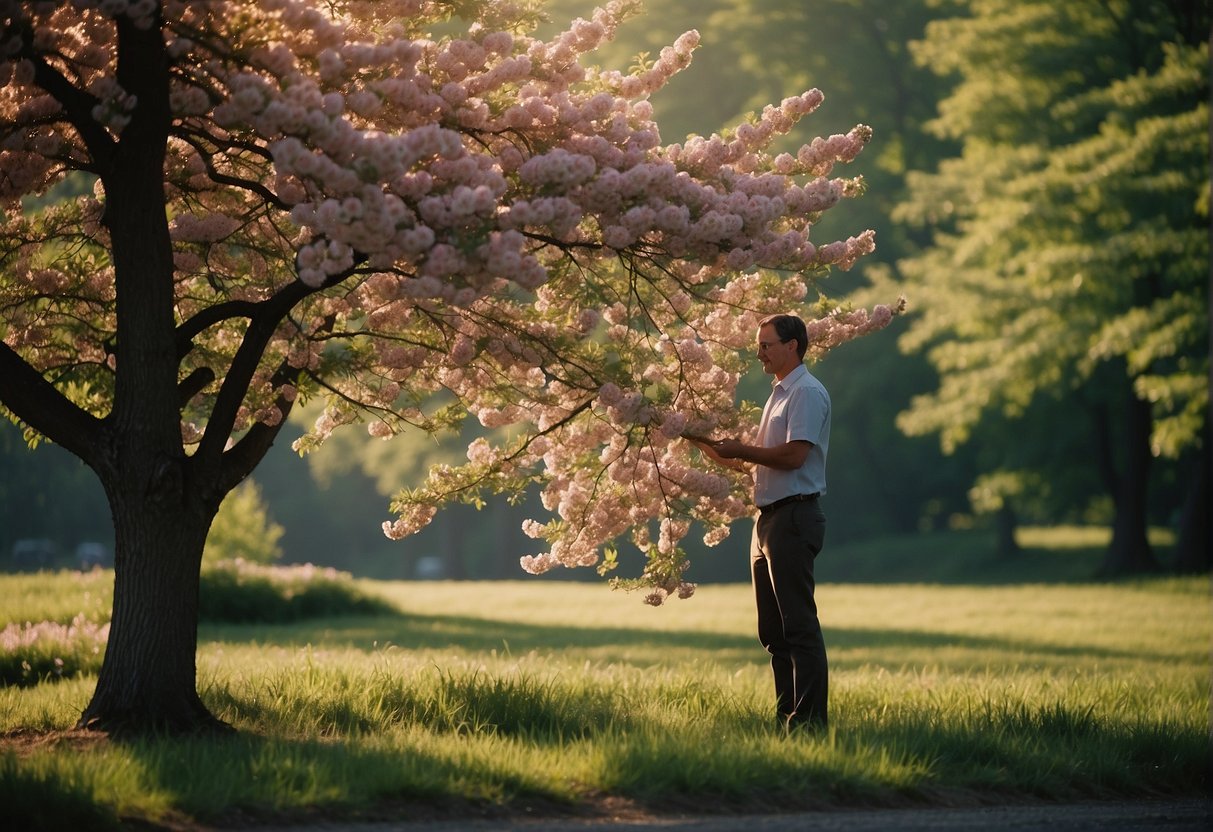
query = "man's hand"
{"x": 729, "y": 448}
{"x": 712, "y": 450}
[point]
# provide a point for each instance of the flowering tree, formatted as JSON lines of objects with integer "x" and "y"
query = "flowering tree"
{"x": 298, "y": 199}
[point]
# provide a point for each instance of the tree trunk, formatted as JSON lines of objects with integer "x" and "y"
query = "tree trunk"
{"x": 148, "y": 679}
{"x": 1005, "y": 544}
{"x": 1129, "y": 552}
{"x": 161, "y": 509}
{"x": 1193, "y": 553}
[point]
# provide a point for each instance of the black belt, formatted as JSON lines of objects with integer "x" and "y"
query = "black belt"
{"x": 795, "y": 498}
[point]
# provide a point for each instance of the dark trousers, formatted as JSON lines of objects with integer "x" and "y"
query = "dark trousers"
{"x": 786, "y": 541}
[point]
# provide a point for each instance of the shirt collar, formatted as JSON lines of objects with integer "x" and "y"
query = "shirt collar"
{"x": 790, "y": 378}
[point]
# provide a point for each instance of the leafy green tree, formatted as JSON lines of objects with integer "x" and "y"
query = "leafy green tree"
{"x": 1070, "y": 252}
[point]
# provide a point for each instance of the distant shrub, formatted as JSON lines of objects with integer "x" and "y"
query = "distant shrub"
{"x": 235, "y": 591}
{"x": 239, "y": 592}
{"x": 31, "y": 653}
{"x": 243, "y": 529}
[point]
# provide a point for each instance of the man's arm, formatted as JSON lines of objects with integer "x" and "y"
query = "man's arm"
{"x": 786, "y": 457}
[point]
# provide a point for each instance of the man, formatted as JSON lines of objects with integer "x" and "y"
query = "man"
{"x": 790, "y": 461}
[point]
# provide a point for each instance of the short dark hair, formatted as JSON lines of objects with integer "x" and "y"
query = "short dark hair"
{"x": 789, "y": 327}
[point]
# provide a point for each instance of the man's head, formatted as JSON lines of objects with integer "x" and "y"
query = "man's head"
{"x": 782, "y": 343}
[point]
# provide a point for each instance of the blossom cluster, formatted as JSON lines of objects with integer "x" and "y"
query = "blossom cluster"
{"x": 837, "y": 328}
{"x": 479, "y": 216}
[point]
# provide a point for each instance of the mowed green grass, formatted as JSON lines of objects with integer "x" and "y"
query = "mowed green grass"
{"x": 518, "y": 694}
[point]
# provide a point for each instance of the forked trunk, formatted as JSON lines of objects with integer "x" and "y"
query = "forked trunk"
{"x": 148, "y": 680}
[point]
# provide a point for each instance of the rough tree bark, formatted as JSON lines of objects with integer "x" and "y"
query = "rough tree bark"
{"x": 1129, "y": 551}
{"x": 148, "y": 677}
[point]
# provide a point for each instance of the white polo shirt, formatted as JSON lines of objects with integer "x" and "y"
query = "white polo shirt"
{"x": 798, "y": 410}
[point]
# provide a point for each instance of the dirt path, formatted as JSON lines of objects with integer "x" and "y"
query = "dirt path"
{"x": 1137, "y": 816}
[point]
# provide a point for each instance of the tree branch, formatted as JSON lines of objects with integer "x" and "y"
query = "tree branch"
{"x": 208, "y": 317}
{"x": 263, "y": 322}
{"x": 245, "y": 455}
{"x": 77, "y": 104}
{"x": 192, "y": 384}
{"x": 35, "y": 401}
{"x": 249, "y": 185}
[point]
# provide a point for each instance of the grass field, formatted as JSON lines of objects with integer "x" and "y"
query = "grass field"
{"x": 482, "y": 696}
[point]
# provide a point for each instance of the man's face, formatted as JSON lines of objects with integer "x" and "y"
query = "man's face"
{"x": 778, "y": 357}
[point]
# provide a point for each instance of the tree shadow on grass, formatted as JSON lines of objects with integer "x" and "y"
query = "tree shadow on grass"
{"x": 646, "y": 648}
{"x": 275, "y": 780}
{"x": 43, "y": 801}
{"x": 473, "y": 634}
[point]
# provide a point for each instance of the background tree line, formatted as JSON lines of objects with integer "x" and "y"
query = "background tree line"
{"x": 1055, "y": 366}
